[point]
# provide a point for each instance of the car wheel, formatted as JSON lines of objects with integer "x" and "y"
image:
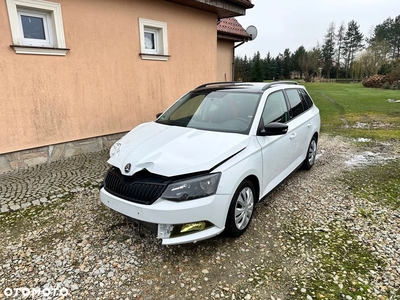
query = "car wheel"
{"x": 311, "y": 154}
{"x": 241, "y": 209}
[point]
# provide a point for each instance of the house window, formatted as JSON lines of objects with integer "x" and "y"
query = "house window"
{"x": 36, "y": 27}
{"x": 153, "y": 40}
{"x": 150, "y": 41}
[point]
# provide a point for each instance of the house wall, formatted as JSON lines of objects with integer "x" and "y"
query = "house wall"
{"x": 225, "y": 60}
{"x": 102, "y": 86}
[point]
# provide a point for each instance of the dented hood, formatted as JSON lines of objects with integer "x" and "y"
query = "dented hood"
{"x": 171, "y": 150}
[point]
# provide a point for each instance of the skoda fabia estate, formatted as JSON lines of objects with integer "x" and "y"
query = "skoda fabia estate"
{"x": 201, "y": 167}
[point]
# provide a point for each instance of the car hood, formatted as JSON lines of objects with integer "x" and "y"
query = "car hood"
{"x": 171, "y": 150}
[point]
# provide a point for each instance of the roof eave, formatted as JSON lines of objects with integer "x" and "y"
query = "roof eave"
{"x": 223, "y": 9}
{"x": 232, "y": 37}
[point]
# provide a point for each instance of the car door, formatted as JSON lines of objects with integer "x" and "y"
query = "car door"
{"x": 303, "y": 123}
{"x": 277, "y": 151}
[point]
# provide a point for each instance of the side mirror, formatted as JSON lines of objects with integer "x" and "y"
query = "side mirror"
{"x": 274, "y": 128}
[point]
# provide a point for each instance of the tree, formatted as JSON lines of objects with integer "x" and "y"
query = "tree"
{"x": 296, "y": 58}
{"x": 278, "y": 66}
{"x": 257, "y": 73}
{"x": 389, "y": 32}
{"x": 309, "y": 63}
{"x": 339, "y": 42}
{"x": 328, "y": 49}
{"x": 242, "y": 69}
{"x": 286, "y": 64}
{"x": 269, "y": 67}
{"x": 315, "y": 61}
{"x": 353, "y": 42}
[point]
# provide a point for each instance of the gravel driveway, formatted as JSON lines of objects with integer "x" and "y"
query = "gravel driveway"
{"x": 309, "y": 233}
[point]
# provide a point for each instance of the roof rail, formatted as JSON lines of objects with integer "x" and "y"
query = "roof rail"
{"x": 216, "y": 83}
{"x": 284, "y": 82}
{"x": 271, "y": 84}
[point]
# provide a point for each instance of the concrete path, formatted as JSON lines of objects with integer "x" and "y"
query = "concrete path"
{"x": 49, "y": 182}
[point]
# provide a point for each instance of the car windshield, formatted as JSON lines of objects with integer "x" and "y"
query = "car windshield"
{"x": 224, "y": 111}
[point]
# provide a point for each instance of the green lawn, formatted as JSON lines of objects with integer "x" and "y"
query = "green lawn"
{"x": 342, "y": 108}
{"x": 355, "y": 111}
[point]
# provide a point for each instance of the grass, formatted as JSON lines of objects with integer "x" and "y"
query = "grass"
{"x": 378, "y": 183}
{"x": 355, "y": 111}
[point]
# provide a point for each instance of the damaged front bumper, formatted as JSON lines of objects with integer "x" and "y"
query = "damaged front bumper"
{"x": 176, "y": 222}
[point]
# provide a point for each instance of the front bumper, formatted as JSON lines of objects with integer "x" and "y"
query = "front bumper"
{"x": 212, "y": 209}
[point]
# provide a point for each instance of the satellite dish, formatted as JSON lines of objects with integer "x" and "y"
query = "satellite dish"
{"x": 252, "y": 31}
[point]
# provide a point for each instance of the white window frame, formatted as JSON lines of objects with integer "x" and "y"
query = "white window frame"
{"x": 155, "y": 49}
{"x": 159, "y": 29}
{"x": 51, "y": 11}
{"x": 48, "y": 41}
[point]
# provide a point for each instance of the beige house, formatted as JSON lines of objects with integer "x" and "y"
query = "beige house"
{"x": 76, "y": 74}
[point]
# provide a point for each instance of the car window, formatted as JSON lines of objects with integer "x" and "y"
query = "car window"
{"x": 295, "y": 102}
{"x": 275, "y": 109}
{"x": 306, "y": 98}
{"x": 226, "y": 111}
{"x": 188, "y": 108}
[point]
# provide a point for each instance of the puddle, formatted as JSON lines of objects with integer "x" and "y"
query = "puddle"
{"x": 363, "y": 140}
{"x": 367, "y": 158}
{"x": 374, "y": 125}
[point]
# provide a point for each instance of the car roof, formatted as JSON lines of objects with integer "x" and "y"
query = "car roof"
{"x": 249, "y": 87}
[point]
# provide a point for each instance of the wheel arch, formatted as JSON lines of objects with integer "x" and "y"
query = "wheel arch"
{"x": 256, "y": 183}
{"x": 316, "y": 135}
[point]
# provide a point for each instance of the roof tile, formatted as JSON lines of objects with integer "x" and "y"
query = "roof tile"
{"x": 231, "y": 26}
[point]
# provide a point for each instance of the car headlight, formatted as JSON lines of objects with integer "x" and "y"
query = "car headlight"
{"x": 193, "y": 188}
{"x": 115, "y": 149}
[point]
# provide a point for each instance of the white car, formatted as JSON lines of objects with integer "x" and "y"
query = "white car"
{"x": 200, "y": 168}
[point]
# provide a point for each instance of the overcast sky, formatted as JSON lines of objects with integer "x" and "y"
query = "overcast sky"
{"x": 291, "y": 23}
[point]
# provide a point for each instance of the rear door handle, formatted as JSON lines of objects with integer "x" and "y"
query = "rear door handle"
{"x": 293, "y": 135}
{"x": 309, "y": 124}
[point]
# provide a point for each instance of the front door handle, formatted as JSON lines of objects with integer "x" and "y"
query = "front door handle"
{"x": 293, "y": 135}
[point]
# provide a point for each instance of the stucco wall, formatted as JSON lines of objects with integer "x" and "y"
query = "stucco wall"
{"x": 225, "y": 60}
{"x": 101, "y": 86}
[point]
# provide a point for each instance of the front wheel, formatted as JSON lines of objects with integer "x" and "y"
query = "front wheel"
{"x": 309, "y": 161}
{"x": 241, "y": 209}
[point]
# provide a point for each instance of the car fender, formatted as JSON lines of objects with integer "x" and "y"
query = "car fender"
{"x": 246, "y": 163}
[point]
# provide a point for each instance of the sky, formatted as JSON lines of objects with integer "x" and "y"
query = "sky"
{"x": 292, "y": 23}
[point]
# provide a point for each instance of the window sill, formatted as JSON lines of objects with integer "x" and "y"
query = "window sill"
{"x": 39, "y": 50}
{"x": 154, "y": 56}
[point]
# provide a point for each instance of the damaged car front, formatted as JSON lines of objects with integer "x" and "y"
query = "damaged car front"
{"x": 177, "y": 175}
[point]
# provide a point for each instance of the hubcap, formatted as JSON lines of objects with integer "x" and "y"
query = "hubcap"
{"x": 312, "y": 152}
{"x": 244, "y": 208}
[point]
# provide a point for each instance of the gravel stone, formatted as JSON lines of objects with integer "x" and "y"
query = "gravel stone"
{"x": 68, "y": 239}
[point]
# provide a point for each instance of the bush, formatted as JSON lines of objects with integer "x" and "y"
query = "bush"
{"x": 375, "y": 81}
{"x": 394, "y": 74}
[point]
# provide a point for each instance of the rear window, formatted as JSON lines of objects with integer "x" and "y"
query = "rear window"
{"x": 306, "y": 98}
{"x": 295, "y": 102}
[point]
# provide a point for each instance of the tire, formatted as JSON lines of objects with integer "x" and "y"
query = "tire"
{"x": 309, "y": 161}
{"x": 241, "y": 209}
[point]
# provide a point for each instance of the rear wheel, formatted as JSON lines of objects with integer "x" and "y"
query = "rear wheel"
{"x": 241, "y": 209}
{"x": 309, "y": 161}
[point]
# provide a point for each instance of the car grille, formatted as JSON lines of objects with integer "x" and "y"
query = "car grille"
{"x": 143, "y": 187}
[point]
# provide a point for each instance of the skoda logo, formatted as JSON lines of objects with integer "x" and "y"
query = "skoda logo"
{"x": 127, "y": 168}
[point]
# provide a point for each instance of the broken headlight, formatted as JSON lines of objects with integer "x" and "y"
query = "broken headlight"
{"x": 193, "y": 188}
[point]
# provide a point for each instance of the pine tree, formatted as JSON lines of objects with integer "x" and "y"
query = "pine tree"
{"x": 353, "y": 42}
{"x": 328, "y": 49}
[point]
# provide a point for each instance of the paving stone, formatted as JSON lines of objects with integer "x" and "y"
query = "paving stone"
{"x": 36, "y": 184}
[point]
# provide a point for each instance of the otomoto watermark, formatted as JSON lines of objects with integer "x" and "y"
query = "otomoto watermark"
{"x": 24, "y": 292}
